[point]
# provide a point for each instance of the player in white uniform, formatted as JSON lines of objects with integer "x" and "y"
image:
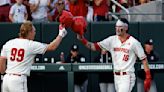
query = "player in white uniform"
{"x": 124, "y": 50}
{"x": 19, "y": 55}
{"x": 18, "y": 12}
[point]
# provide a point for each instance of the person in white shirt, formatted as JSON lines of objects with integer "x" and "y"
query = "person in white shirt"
{"x": 17, "y": 56}
{"x": 39, "y": 9}
{"x": 18, "y": 12}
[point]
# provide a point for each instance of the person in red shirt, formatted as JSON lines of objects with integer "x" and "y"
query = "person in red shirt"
{"x": 101, "y": 9}
{"x": 60, "y": 5}
{"x": 78, "y": 7}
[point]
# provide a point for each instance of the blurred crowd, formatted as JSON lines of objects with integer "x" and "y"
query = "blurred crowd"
{"x": 18, "y": 11}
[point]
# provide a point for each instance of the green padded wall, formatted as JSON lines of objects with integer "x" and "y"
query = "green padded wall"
{"x": 154, "y": 30}
{"x": 10, "y": 31}
{"x": 50, "y": 31}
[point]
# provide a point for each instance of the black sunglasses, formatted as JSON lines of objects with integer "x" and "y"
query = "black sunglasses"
{"x": 60, "y": 3}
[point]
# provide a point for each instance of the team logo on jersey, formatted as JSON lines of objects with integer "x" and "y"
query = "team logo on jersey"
{"x": 122, "y": 50}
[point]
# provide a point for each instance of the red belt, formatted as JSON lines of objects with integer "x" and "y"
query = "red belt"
{"x": 120, "y": 73}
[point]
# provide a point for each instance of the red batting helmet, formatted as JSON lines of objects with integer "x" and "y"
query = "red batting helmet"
{"x": 79, "y": 25}
{"x": 66, "y": 18}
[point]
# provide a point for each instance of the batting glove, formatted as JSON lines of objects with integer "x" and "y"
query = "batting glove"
{"x": 147, "y": 82}
{"x": 62, "y": 31}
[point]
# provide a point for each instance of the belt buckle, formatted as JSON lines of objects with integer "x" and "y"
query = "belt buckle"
{"x": 124, "y": 73}
{"x": 120, "y": 73}
{"x": 17, "y": 74}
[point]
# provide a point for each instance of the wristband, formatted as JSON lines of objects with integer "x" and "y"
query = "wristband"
{"x": 84, "y": 41}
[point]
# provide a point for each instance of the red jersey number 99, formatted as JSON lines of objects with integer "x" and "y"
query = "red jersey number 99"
{"x": 17, "y": 54}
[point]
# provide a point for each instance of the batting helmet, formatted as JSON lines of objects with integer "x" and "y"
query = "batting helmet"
{"x": 79, "y": 25}
{"x": 66, "y": 18}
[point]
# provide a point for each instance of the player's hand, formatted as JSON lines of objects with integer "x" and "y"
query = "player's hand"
{"x": 147, "y": 82}
{"x": 62, "y": 31}
{"x": 82, "y": 39}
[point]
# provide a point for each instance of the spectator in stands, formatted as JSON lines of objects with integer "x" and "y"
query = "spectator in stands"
{"x": 143, "y": 1}
{"x": 27, "y": 4}
{"x": 89, "y": 16}
{"x": 140, "y": 2}
{"x": 152, "y": 56}
{"x": 124, "y": 3}
{"x": 60, "y": 5}
{"x": 18, "y": 12}
{"x": 80, "y": 79}
{"x": 101, "y": 9}
{"x": 39, "y": 10}
{"x": 78, "y": 7}
{"x": 51, "y": 9}
{"x": 4, "y": 10}
{"x": 106, "y": 79}
{"x": 56, "y": 6}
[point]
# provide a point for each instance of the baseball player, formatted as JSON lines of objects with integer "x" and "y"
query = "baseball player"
{"x": 19, "y": 55}
{"x": 124, "y": 50}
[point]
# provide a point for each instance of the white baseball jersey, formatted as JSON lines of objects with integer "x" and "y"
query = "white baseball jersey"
{"x": 42, "y": 10}
{"x": 18, "y": 12}
{"x": 124, "y": 54}
{"x": 20, "y": 55}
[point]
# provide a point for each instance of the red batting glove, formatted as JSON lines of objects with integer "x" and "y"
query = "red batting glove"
{"x": 147, "y": 82}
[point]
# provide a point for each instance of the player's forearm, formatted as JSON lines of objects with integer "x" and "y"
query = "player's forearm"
{"x": 2, "y": 71}
{"x": 55, "y": 43}
{"x": 11, "y": 18}
{"x": 146, "y": 69}
{"x": 146, "y": 65}
{"x": 88, "y": 44}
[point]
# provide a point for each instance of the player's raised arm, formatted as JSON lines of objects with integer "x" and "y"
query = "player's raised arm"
{"x": 90, "y": 45}
{"x": 55, "y": 43}
{"x": 147, "y": 82}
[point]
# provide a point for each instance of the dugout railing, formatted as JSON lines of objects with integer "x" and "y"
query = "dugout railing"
{"x": 44, "y": 82}
{"x": 70, "y": 69}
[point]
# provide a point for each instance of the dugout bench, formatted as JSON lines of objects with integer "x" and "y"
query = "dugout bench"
{"x": 92, "y": 68}
{"x": 42, "y": 75}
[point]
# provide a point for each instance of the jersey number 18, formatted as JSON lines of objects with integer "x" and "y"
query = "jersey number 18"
{"x": 17, "y": 54}
{"x": 126, "y": 57}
